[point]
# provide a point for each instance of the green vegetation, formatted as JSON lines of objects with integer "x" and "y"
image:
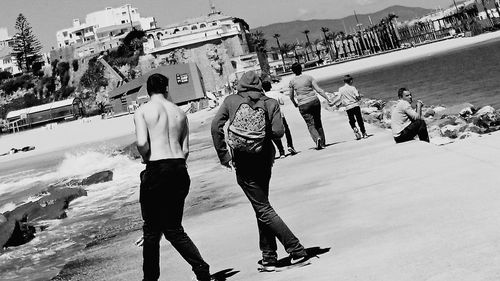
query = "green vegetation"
{"x": 26, "y": 47}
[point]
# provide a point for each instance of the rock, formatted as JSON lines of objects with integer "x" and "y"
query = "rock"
{"x": 379, "y": 104}
{"x": 19, "y": 226}
{"x": 434, "y": 131}
{"x": 368, "y": 110}
{"x": 456, "y": 109}
{"x": 466, "y": 135}
{"x": 466, "y": 112}
{"x": 439, "y": 109}
{"x": 485, "y": 110}
{"x": 100, "y": 177}
{"x": 131, "y": 151}
{"x": 429, "y": 112}
{"x": 478, "y": 121}
{"x": 451, "y": 131}
{"x": 447, "y": 120}
{"x": 387, "y": 109}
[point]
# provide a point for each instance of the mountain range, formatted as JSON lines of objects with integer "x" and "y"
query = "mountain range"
{"x": 292, "y": 31}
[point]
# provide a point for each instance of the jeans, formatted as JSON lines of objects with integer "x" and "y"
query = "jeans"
{"x": 311, "y": 112}
{"x": 288, "y": 136}
{"x": 416, "y": 127}
{"x": 355, "y": 114}
{"x": 164, "y": 187}
{"x": 254, "y": 181}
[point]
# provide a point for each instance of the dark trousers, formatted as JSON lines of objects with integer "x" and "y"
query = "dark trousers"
{"x": 288, "y": 136}
{"x": 355, "y": 114}
{"x": 416, "y": 128}
{"x": 254, "y": 181}
{"x": 311, "y": 112}
{"x": 164, "y": 187}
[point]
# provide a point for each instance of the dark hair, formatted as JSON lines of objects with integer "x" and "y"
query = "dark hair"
{"x": 401, "y": 91}
{"x": 348, "y": 79}
{"x": 157, "y": 84}
{"x": 296, "y": 68}
{"x": 266, "y": 85}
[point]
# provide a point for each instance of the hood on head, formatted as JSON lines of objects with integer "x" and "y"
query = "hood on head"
{"x": 250, "y": 85}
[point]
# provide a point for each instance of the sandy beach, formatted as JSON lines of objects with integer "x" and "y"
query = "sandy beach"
{"x": 379, "y": 211}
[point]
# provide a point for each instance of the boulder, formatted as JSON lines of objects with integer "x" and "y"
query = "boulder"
{"x": 429, "y": 112}
{"x": 379, "y": 104}
{"x": 368, "y": 110}
{"x": 456, "y": 109}
{"x": 466, "y": 135}
{"x": 451, "y": 131}
{"x": 19, "y": 227}
{"x": 100, "y": 177}
{"x": 485, "y": 110}
{"x": 131, "y": 151}
{"x": 387, "y": 109}
{"x": 439, "y": 109}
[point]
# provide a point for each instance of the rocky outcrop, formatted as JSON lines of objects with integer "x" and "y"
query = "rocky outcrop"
{"x": 131, "y": 151}
{"x": 455, "y": 122}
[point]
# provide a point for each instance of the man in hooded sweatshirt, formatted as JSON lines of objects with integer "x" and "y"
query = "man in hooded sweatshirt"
{"x": 253, "y": 169}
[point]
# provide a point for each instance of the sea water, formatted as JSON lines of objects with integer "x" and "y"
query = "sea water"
{"x": 43, "y": 257}
{"x": 470, "y": 74}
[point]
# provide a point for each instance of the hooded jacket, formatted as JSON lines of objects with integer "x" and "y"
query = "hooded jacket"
{"x": 249, "y": 91}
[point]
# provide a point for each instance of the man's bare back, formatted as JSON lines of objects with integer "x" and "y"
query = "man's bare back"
{"x": 162, "y": 130}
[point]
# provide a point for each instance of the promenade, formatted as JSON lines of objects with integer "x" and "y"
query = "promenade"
{"x": 412, "y": 211}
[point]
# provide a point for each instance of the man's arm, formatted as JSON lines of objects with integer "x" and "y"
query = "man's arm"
{"x": 277, "y": 128}
{"x": 185, "y": 139}
{"x": 320, "y": 91}
{"x": 412, "y": 114}
{"x": 292, "y": 97}
{"x": 142, "y": 136}
{"x": 217, "y": 130}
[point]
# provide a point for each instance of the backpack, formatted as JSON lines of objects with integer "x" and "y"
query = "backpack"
{"x": 247, "y": 131}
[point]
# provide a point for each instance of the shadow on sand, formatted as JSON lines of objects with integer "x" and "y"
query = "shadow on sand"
{"x": 224, "y": 274}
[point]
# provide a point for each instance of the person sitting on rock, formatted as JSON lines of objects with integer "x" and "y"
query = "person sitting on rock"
{"x": 406, "y": 123}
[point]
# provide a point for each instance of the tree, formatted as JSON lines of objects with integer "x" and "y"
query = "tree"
{"x": 26, "y": 47}
{"x": 306, "y": 32}
{"x": 327, "y": 40}
{"x": 93, "y": 78}
{"x": 333, "y": 35}
{"x": 277, "y": 36}
{"x": 484, "y": 3}
{"x": 259, "y": 43}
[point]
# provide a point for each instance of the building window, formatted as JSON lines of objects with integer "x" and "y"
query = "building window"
{"x": 6, "y": 61}
{"x": 203, "y": 25}
{"x": 214, "y": 23}
{"x": 123, "y": 21}
{"x": 194, "y": 27}
{"x": 185, "y": 28}
{"x": 159, "y": 35}
{"x": 175, "y": 31}
{"x": 124, "y": 13}
{"x": 65, "y": 33}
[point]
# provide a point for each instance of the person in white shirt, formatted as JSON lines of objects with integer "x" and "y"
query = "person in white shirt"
{"x": 407, "y": 123}
{"x": 350, "y": 98}
{"x": 266, "y": 85}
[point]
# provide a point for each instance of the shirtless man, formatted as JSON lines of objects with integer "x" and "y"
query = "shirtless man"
{"x": 163, "y": 141}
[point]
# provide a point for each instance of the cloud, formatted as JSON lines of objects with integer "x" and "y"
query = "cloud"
{"x": 365, "y": 2}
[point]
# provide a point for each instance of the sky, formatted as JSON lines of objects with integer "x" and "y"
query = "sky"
{"x": 48, "y": 16}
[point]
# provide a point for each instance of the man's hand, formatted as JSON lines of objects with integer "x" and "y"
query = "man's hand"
{"x": 228, "y": 166}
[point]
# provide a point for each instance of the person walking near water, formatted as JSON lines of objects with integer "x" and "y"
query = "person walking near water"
{"x": 304, "y": 88}
{"x": 266, "y": 85}
{"x": 163, "y": 141}
{"x": 350, "y": 98}
{"x": 407, "y": 123}
{"x": 254, "y": 120}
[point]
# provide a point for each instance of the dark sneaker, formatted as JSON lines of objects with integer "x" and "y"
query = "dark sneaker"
{"x": 365, "y": 135}
{"x": 267, "y": 266}
{"x": 297, "y": 260}
{"x": 319, "y": 144}
{"x": 292, "y": 151}
{"x": 356, "y": 133}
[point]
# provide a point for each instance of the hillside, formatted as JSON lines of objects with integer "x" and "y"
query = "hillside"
{"x": 292, "y": 31}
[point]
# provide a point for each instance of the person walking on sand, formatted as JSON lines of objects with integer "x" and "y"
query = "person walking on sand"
{"x": 254, "y": 120}
{"x": 350, "y": 98}
{"x": 304, "y": 88}
{"x": 407, "y": 123}
{"x": 163, "y": 141}
{"x": 266, "y": 85}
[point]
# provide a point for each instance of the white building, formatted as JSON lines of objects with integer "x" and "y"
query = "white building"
{"x": 104, "y": 25}
{"x": 7, "y": 61}
{"x": 214, "y": 26}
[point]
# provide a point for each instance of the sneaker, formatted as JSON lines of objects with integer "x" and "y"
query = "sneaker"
{"x": 356, "y": 133}
{"x": 282, "y": 156}
{"x": 292, "y": 151}
{"x": 319, "y": 144}
{"x": 365, "y": 135}
{"x": 211, "y": 278}
{"x": 297, "y": 260}
{"x": 267, "y": 266}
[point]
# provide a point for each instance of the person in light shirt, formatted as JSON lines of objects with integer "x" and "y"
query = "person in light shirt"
{"x": 350, "y": 98}
{"x": 406, "y": 123}
{"x": 266, "y": 86}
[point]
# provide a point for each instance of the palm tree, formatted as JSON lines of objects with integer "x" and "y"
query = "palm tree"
{"x": 317, "y": 42}
{"x": 333, "y": 35}
{"x": 327, "y": 41}
{"x": 277, "y": 36}
{"x": 484, "y": 2}
{"x": 294, "y": 46}
{"x": 306, "y": 32}
{"x": 259, "y": 43}
{"x": 342, "y": 38}
{"x": 307, "y": 45}
{"x": 390, "y": 18}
